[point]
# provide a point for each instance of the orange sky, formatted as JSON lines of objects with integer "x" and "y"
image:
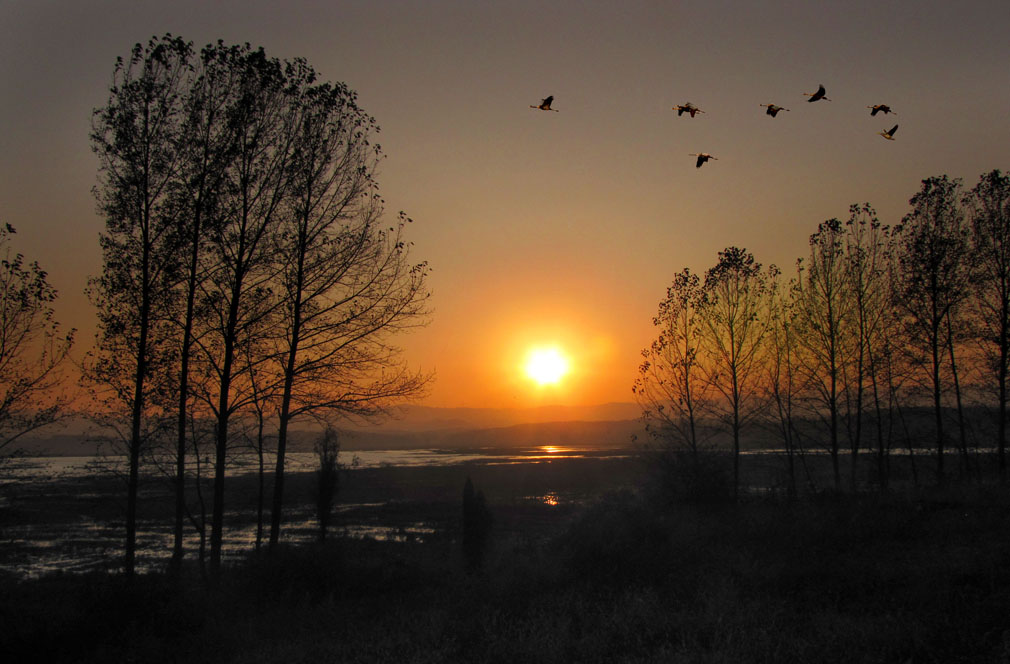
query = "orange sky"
{"x": 550, "y": 227}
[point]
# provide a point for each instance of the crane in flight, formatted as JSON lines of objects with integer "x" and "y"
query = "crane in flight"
{"x": 880, "y": 108}
{"x": 545, "y": 104}
{"x": 702, "y": 158}
{"x": 817, "y": 96}
{"x": 773, "y": 109}
{"x": 687, "y": 108}
{"x": 889, "y": 134}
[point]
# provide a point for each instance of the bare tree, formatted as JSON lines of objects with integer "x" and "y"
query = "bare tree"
{"x": 932, "y": 281}
{"x": 670, "y": 384}
{"x": 988, "y": 206}
{"x": 735, "y": 317}
{"x": 868, "y": 252}
{"x": 346, "y": 281}
{"x": 821, "y": 309}
{"x": 207, "y": 146}
{"x": 136, "y": 138}
{"x": 32, "y": 349}
{"x": 784, "y": 380}
{"x": 673, "y": 390}
{"x": 240, "y": 266}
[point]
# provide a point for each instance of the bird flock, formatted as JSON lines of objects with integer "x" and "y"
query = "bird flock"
{"x": 771, "y": 109}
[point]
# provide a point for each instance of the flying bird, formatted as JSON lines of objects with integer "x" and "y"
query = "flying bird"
{"x": 689, "y": 108}
{"x": 880, "y": 108}
{"x": 889, "y": 134}
{"x": 773, "y": 109}
{"x": 545, "y": 105}
{"x": 702, "y": 158}
{"x": 817, "y": 95}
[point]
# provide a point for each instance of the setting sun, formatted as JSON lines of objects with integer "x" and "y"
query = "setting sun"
{"x": 546, "y": 366}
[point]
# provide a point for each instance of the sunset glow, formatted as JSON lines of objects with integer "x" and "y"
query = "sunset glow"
{"x": 546, "y": 366}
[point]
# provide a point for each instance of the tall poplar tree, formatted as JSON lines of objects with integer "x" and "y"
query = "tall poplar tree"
{"x": 345, "y": 278}
{"x": 988, "y": 206}
{"x": 136, "y": 137}
{"x": 932, "y": 281}
{"x": 735, "y": 315}
{"x": 820, "y": 304}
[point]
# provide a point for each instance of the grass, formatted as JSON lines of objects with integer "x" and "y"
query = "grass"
{"x": 916, "y": 577}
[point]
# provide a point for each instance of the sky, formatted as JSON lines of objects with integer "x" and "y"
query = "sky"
{"x": 549, "y": 229}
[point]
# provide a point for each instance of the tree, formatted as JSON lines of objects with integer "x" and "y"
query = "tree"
{"x": 988, "y": 206}
{"x": 671, "y": 386}
{"x": 477, "y": 522}
{"x": 136, "y": 138}
{"x": 783, "y": 380}
{"x": 735, "y": 300}
{"x": 240, "y": 267}
{"x": 346, "y": 282}
{"x": 932, "y": 250}
{"x": 821, "y": 308}
{"x": 327, "y": 450}
{"x": 32, "y": 349}
{"x": 206, "y": 147}
{"x": 868, "y": 252}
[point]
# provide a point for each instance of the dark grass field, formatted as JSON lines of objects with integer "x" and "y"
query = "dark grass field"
{"x": 624, "y": 575}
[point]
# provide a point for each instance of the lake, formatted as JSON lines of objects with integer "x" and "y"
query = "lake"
{"x": 66, "y": 513}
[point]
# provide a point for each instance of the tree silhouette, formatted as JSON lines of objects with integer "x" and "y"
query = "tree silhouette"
{"x": 821, "y": 309}
{"x": 671, "y": 385}
{"x": 932, "y": 281}
{"x": 136, "y": 138}
{"x": 207, "y": 145}
{"x": 32, "y": 349}
{"x": 735, "y": 317}
{"x": 346, "y": 281}
{"x": 868, "y": 252}
{"x": 327, "y": 450}
{"x": 988, "y": 205}
{"x": 784, "y": 381}
{"x": 477, "y": 523}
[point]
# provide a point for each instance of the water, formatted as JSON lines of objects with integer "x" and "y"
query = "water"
{"x": 43, "y": 468}
{"x": 64, "y": 531}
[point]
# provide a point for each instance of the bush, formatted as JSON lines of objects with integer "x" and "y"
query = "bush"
{"x": 618, "y": 541}
{"x": 680, "y": 477}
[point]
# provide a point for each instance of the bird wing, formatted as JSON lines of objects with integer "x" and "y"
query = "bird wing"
{"x": 821, "y": 90}
{"x": 892, "y": 130}
{"x": 701, "y": 160}
{"x": 875, "y": 110}
{"x": 547, "y": 101}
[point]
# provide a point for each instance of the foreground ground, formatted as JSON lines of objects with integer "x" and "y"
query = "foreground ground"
{"x": 920, "y": 576}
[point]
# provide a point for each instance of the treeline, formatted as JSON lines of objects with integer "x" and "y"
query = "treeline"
{"x": 248, "y": 275}
{"x": 877, "y": 321}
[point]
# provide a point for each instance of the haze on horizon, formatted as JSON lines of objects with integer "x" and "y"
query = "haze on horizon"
{"x": 550, "y": 228}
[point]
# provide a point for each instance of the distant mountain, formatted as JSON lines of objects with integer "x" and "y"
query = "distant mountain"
{"x": 428, "y": 418}
{"x": 603, "y": 434}
{"x": 444, "y": 432}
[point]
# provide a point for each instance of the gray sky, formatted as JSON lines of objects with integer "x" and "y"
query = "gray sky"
{"x": 550, "y": 227}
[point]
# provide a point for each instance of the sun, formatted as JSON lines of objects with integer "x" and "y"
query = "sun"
{"x": 546, "y": 366}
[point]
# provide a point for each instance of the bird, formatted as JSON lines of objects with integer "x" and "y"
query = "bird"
{"x": 817, "y": 95}
{"x": 880, "y": 108}
{"x": 545, "y": 105}
{"x": 773, "y": 109}
{"x": 702, "y": 158}
{"x": 889, "y": 134}
{"x": 688, "y": 107}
